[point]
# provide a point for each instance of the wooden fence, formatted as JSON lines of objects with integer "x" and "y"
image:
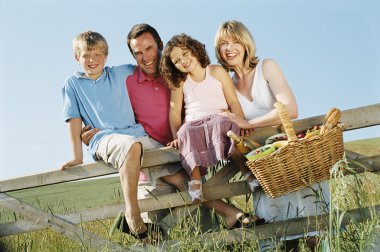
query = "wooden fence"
{"x": 215, "y": 188}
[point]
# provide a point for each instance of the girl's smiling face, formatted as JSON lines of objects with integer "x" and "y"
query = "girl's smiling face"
{"x": 183, "y": 60}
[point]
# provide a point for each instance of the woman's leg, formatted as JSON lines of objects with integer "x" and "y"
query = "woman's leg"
{"x": 229, "y": 213}
{"x": 239, "y": 160}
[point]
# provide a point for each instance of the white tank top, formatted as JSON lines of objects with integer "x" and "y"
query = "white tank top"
{"x": 203, "y": 98}
{"x": 263, "y": 98}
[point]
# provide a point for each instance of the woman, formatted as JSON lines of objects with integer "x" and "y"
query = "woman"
{"x": 259, "y": 84}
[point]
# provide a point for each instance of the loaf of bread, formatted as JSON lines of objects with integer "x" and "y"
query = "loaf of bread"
{"x": 331, "y": 120}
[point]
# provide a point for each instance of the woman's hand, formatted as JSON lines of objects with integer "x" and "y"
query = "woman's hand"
{"x": 241, "y": 122}
{"x": 174, "y": 144}
{"x": 246, "y": 132}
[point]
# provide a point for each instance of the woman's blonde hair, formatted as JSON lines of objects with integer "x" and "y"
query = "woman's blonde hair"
{"x": 239, "y": 32}
{"x": 89, "y": 40}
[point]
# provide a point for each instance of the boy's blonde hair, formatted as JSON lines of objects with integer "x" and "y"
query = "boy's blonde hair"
{"x": 89, "y": 40}
{"x": 239, "y": 32}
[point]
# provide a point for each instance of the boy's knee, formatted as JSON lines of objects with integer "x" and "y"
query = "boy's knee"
{"x": 135, "y": 150}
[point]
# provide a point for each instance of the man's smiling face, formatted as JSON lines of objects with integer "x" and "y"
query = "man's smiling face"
{"x": 145, "y": 50}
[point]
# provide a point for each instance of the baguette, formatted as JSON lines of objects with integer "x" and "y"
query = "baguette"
{"x": 331, "y": 120}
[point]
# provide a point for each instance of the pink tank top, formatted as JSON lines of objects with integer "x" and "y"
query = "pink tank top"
{"x": 203, "y": 98}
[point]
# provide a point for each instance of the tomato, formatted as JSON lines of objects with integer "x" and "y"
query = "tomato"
{"x": 301, "y": 135}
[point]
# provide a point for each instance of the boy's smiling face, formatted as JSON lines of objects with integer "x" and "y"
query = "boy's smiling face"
{"x": 92, "y": 62}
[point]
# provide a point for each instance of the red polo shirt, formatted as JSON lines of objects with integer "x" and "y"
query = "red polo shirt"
{"x": 150, "y": 99}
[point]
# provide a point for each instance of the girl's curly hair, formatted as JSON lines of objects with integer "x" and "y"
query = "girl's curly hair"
{"x": 170, "y": 74}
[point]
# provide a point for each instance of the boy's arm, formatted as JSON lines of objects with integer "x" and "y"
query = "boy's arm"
{"x": 75, "y": 129}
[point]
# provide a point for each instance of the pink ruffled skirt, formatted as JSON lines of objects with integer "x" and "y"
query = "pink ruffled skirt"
{"x": 204, "y": 142}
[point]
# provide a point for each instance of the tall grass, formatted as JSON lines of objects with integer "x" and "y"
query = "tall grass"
{"x": 343, "y": 234}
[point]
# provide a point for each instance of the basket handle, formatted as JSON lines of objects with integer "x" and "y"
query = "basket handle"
{"x": 285, "y": 119}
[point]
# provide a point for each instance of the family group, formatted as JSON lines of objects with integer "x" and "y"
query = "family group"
{"x": 173, "y": 96}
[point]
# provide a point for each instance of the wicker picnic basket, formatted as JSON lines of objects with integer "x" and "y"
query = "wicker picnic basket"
{"x": 300, "y": 163}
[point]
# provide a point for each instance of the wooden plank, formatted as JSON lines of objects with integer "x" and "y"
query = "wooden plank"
{"x": 160, "y": 156}
{"x": 371, "y": 163}
{"x": 356, "y": 118}
{"x": 84, "y": 171}
{"x": 58, "y": 225}
{"x": 146, "y": 205}
{"x": 272, "y": 230}
{"x": 110, "y": 211}
{"x": 177, "y": 214}
{"x": 353, "y": 119}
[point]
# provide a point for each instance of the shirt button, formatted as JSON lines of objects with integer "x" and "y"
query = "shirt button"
{"x": 156, "y": 88}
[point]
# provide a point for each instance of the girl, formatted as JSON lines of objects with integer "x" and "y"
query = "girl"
{"x": 259, "y": 84}
{"x": 205, "y": 91}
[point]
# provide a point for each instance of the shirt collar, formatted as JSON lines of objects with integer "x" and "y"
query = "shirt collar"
{"x": 143, "y": 77}
{"x": 81, "y": 75}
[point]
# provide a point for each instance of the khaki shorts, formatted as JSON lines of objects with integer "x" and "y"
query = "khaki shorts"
{"x": 113, "y": 149}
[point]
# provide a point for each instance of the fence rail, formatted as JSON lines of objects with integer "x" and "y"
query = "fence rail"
{"x": 215, "y": 188}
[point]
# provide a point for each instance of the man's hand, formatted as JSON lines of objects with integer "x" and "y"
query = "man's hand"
{"x": 87, "y": 134}
{"x": 174, "y": 144}
{"x": 71, "y": 163}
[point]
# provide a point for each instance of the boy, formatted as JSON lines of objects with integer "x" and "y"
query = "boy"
{"x": 98, "y": 97}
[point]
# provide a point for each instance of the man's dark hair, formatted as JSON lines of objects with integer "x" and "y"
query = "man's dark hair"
{"x": 138, "y": 30}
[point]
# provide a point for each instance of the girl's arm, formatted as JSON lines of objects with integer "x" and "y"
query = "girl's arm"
{"x": 75, "y": 129}
{"x": 221, "y": 74}
{"x": 175, "y": 113}
{"x": 281, "y": 90}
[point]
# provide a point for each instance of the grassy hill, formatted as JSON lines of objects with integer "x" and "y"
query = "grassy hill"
{"x": 368, "y": 147}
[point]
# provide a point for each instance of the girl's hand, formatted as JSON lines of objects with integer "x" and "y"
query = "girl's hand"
{"x": 174, "y": 144}
{"x": 71, "y": 163}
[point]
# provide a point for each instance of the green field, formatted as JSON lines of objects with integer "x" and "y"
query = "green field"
{"x": 74, "y": 196}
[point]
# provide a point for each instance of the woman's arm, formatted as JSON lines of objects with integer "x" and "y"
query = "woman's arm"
{"x": 175, "y": 113}
{"x": 281, "y": 90}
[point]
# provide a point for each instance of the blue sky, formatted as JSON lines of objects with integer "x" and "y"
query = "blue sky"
{"x": 328, "y": 51}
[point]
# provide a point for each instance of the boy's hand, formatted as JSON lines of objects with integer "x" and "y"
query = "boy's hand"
{"x": 174, "y": 144}
{"x": 87, "y": 134}
{"x": 71, "y": 163}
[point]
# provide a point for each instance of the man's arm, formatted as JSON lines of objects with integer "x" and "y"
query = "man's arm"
{"x": 87, "y": 134}
{"x": 75, "y": 128}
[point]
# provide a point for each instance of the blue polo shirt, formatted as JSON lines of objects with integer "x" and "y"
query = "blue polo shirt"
{"x": 102, "y": 103}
